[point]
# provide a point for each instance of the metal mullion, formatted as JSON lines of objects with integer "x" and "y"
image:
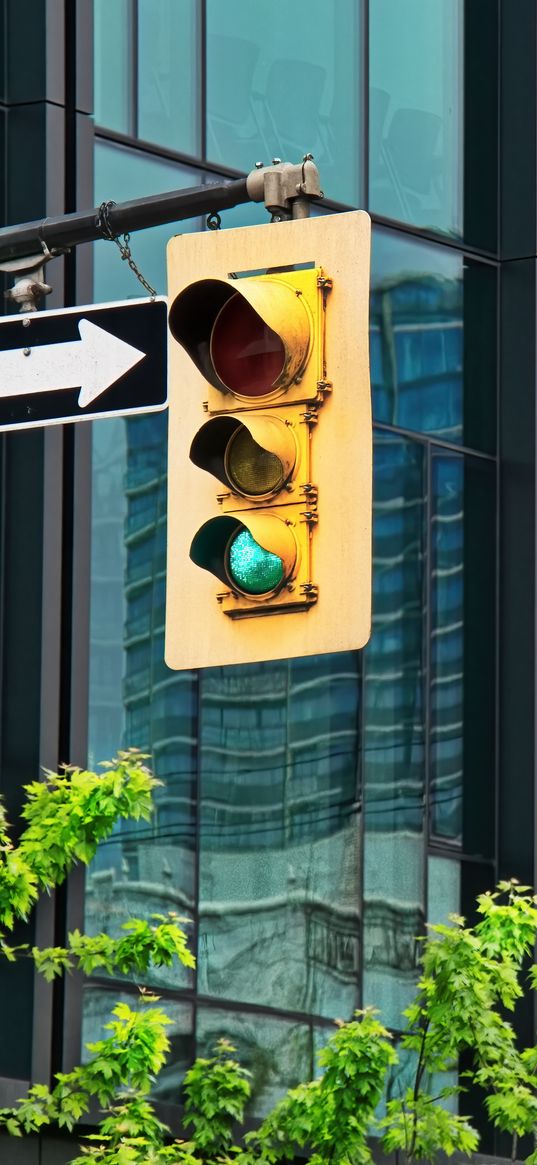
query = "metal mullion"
{"x": 197, "y": 846}
{"x": 441, "y": 848}
{"x": 360, "y": 824}
{"x": 430, "y": 236}
{"x": 365, "y": 102}
{"x": 437, "y": 443}
{"x": 135, "y": 64}
{"x": 166, "y": 153}
{"x": 203, "y": 77}
{"x": 427, "y": 623}
{"x": 213, "y": 1002}
{"x": 497, "y": 613}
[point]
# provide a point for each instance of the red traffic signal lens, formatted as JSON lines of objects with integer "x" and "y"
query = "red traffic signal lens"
{"x": 247, "y": 355}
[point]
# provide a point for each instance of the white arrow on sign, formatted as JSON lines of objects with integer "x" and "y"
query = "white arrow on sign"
{"x": 94, "y": 362}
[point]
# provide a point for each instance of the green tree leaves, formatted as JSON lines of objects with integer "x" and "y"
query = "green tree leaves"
{"x": 333, "y": 1115}
{"x": 217, "y": 1091}
{"x": 471, "y": 979}
{"x": 68, "y": 814}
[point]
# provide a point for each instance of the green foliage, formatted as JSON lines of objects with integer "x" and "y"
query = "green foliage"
{"x": 331, "y": 1115}
{"x": 471, "y": 980}
{"x": 68, "y": 814}
{"x": 145, "y": 944}
{"x": 217, "y": 1091}
{"x": 129, "y": 1058}
{"x": 420, "y": 1127}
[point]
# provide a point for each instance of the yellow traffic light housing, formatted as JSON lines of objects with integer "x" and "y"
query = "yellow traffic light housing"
{"x": 269, "y": 398}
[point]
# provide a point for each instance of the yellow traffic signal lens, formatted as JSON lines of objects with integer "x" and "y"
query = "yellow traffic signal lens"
{"x": 252, "y": 470}
{"x": 247, "y": 356}
{"x": 254, "y": 570}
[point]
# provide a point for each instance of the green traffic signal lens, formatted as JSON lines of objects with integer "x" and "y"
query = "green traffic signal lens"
{"x": 253, "y": 569}
{"x": 253, "y": 470}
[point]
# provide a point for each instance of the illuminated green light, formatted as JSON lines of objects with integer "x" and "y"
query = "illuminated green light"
{"x": 254, "y": 570}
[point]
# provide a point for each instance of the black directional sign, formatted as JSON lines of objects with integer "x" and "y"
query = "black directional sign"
{"x": 82, "y": 363}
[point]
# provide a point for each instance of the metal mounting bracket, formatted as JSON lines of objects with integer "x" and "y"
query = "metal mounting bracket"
{"x": 285, "y": 188}
{"x": 29, "y": 272}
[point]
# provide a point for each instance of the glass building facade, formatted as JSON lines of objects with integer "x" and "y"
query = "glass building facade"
{"x": 314, "y": 812}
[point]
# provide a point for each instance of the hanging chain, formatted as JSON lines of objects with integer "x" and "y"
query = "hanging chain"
{"x": 104, "y": 226}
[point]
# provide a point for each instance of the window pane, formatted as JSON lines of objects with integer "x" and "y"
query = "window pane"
{"x": 462, "y": 650}
{"x": 134, "y": 698}
{"x": 168, "y": 73}
{"x": 281, "y": 81}
{"x": 443, "y": 889}
{"x": 415, "y": 116}
{"x": 122, "y": 174}
{"x": 433, "y": 365}
{"x": 279, "y": 856}
{"x": 113, "y": 64}
{"x": 394, "y": 732}
{"x": 278, "y": 1052}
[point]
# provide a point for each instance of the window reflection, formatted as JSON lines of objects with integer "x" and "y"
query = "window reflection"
{"x": 168, "y": 73}
{"x": 113, "y": 62}
{"x": 462, "y": 649}
{"x": 447, "y": 643}
{"x": 415, "y": 118}
{"x": 433, "y": 365}
{"x": 394, "y": 731}
{"x": 279, "y": 861}
{"x": 278, "y": 1052}
{"x": 143, "y": 869}
{"x": 281, "y": 82}
{"x": 443, "y": 889}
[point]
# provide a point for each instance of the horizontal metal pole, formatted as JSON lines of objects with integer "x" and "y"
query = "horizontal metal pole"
{"x": 68, "y": 230}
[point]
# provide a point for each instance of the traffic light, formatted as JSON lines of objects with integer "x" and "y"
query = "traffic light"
{"x": 269, "y": 467}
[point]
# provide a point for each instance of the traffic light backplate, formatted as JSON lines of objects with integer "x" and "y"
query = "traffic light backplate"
{"x": 269, "y": 451}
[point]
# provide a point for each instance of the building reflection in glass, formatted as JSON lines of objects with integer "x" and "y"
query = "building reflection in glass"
{"x": 417, "y": 337}
{"x": 394, "y": 730}
{"x": 279, "y": 836}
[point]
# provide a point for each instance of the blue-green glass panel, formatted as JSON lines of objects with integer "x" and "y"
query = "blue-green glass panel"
{"x": 394, "y": 731}
{"x": 134, "y": 698}
{"x": 415, "y": 112}
{"x": 113, "y": 63}
{"x": 169, "y": 94}
{"x": 279, "y": 834}
{"x": 462, "y": 650}
{"x": 279, "y": 1053}
{"x": 122, "y": 174}
{"x": 433, "y": 358}
{"x": 282, "y": 80}
{"x": 447, "y": 648}
{"x": 399, "y": 1077}
{"x": 417, "y": 336}
{"x": 443, "y": 889}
